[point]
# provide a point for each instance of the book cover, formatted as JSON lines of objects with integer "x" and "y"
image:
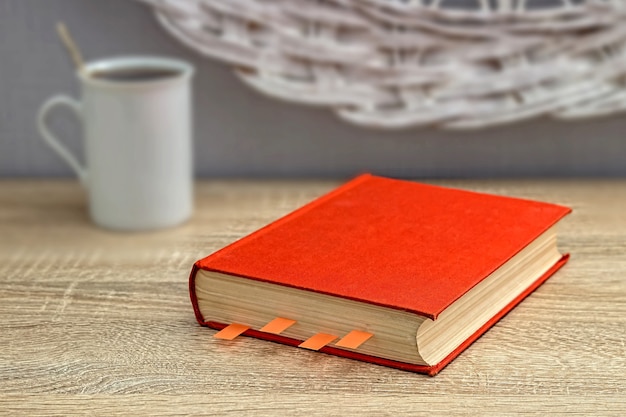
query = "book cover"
{"x": 390, "y": 243}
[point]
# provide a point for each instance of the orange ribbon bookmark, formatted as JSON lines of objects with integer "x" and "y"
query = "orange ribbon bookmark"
{"x": 354, "y": 339}
{"x": 278, "y": 325}
{"x": 317, "y": 341}
{"x": 231, "y": 331}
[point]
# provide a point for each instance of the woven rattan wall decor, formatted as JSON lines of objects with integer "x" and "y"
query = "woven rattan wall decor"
{"x": 457, "y": 64}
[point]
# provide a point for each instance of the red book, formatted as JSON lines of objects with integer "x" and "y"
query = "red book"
{"x": 387, "y": 271}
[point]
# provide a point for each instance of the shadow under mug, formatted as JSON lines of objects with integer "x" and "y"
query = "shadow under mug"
{"x": 138, "y": 141}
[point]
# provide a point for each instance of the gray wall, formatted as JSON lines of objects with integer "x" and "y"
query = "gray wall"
{"x": 240, "y": 133}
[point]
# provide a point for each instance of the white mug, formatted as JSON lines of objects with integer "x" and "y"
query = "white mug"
{"x": 138, "y": 142}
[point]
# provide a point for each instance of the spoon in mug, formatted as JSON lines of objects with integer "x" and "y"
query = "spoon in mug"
{"x": 71, "y": 47}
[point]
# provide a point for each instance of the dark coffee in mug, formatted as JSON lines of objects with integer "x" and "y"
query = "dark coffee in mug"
{"x": 135, "y": 74}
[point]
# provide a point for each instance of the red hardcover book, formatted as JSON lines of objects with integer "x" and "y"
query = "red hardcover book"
{"x": 387, "y": 271}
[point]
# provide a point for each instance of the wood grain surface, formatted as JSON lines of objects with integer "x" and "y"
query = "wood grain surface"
{"x": 99, "y": 322}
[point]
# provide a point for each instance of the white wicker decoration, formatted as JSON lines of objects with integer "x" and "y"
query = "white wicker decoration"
{"x": 457, "y": 64}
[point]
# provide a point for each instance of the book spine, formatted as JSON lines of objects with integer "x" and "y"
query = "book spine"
{"x": 193, "y": 296}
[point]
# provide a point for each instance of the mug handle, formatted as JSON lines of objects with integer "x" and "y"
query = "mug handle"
{"x": 52, "y": 141}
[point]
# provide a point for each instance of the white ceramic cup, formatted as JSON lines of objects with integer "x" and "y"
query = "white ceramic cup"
{"x": 138, "y": 143}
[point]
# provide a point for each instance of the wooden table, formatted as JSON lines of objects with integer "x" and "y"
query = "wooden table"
{"x": 100, "y": 322}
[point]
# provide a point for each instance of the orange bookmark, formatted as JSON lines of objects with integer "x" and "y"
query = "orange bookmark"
{"x": 231, "y": 331}
{"x": 317, "y": 341}
{"x": 278, "y": 325}
{"x": 354, "y": 339}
